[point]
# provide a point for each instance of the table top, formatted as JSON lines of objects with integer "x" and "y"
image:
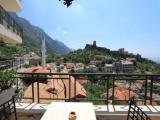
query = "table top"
{"x": 61, "y": 110}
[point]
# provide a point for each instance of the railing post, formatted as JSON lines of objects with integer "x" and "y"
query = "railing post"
{"x": 15, "y": 112}
{"x": 38, "y": 87}
{"x": 129, "y": 89}
{"x": 20, "y": 63}
{"x": 113, "y": 90}
{"x": 151, "y": 90}
{"x": 107, "y": 88}
{"x": 75, "y": 89}
{"x": 12, "y": 64}
{"x": 17, "y": 84}
{"x": 146, "y": 84}
{"x": 70, "y": 87}
{"x": 32, "y": 87}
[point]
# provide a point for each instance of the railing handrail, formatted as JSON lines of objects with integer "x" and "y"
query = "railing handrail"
{"x": 105, "y": 77}
{"x": 108, "y": 74}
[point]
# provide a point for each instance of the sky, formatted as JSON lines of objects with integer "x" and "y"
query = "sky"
{"x": 130, "y": 24}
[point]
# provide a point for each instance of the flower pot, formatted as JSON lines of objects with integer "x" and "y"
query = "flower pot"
{"x": 7, "y": 95}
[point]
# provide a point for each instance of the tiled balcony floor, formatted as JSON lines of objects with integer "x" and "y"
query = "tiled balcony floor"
{"x": 99, "y": 109}
{"x": 34, "y": 111}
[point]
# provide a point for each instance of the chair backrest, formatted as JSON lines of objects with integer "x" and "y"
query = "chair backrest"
{"x": 135, "y": 112}
{"x": 7, "y": 108}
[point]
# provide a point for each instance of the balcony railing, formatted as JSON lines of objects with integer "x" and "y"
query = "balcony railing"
{"x": 12, "y": 64}
{"x": 100, "y": 88}
{"x": 7, "y": 21}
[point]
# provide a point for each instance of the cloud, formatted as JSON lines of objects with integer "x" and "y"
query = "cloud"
{"x": 77, "y": 8}
{"x": 77, "y": 5}
{"x": 65, "y": 32}
{"x": 58, "y": 29}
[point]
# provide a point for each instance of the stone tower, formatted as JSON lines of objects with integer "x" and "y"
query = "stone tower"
{"x": 94, "y": 44}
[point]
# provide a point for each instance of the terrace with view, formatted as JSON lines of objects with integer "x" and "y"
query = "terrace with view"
{"x": 37, "y": 89}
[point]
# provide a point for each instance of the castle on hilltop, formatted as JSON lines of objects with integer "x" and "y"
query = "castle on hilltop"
{"x": 120, "y": 52}
{"x": 94, "y": 46}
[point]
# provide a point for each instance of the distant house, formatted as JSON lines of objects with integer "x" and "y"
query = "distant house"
{"x": 96, "y": 62}
{"x": 34, "y": 59}
{"x": 70, "y": 66}
{"x": 127, "y": 66}
{"x": 93, "y": 68}
{"x": 109, "y": 68}
{"x": 134, "y": 60}
{"x": 124, "y": 66}
{"x": 79, "y": 70}
{"x": 79, "y": 67}
{"x": 61, "y": 60}
{"x": 118, "y": 66}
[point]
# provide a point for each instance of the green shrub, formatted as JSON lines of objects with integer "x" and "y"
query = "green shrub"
{"x": 6, "y": 79}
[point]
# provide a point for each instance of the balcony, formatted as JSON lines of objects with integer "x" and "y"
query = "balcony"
{"x": 11, "y": 5}
{"x": 10, "y": 31}
{"x": 109, "y": 93}
{"x": 13, "y": 64}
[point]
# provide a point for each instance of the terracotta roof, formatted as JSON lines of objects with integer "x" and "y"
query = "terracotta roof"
{"x": 60, "y": 85}
{"x": 80, "y": 91}
{"x": 38, "y": 69}
{"x": 121, "y": 93}
{"x": 84, "y": 81}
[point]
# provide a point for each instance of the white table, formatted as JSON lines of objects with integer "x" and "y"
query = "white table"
{"x": 61, "y": 110}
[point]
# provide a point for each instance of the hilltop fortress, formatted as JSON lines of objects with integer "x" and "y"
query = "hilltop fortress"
{"x": 120, "y": 52}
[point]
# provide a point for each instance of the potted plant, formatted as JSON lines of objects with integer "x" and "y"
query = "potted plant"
{"x": 6, "y": 85}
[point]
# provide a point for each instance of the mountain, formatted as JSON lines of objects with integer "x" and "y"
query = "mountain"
{"x": 33, "y": 35}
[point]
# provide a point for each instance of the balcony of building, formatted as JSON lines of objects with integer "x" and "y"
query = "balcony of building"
{"x": 13, "y": 64}
{"x": 109, "y": 93}
{"x": 11, "y": 5}
{"x": 10, "y": 31}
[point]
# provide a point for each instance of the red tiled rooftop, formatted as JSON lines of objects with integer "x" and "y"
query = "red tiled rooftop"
{"x": 122, "y": 93}
{"x": 38, "y": 69}
{"x": 60, "y": 85}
